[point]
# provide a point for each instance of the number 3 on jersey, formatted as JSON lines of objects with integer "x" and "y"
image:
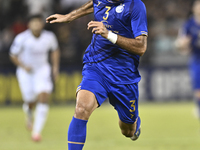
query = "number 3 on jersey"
{"x": 107, "y": 12}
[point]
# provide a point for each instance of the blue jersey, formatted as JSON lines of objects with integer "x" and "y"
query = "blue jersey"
{"x": 128, "y": 19}
{"x": 192, "y": 29}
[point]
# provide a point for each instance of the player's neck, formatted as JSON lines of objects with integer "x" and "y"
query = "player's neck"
{"x": 36, "y": 34}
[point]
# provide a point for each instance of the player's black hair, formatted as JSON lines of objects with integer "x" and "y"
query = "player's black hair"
{"x": 38, "y": 16}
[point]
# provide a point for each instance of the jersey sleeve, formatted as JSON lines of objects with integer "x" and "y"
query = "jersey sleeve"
{"x": 139, "y": 19}
{"x": 54, "y": 42}
{"x": 16, "y": 46}
{"x": 185, "y": 31}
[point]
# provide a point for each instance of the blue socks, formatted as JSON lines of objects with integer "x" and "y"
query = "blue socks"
{"x": 77, "y": 134}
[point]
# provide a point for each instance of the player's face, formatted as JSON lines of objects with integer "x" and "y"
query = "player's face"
{"x": 196, "y": 8}
{"x": 36, "y": 25}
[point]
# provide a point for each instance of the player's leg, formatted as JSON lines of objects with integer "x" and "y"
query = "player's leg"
{"x": 26, "y": 87}
{"x": 131, "y": 130}
{"x": 195, "y": 73}
{"x": 43, "y": 87}
{"x": 41, "y": 113}
{"x": 28, "y": 108}
{"x": 91, "y": 94}
{"x": 86, "y": 103}
{"x": 125, "y": 100}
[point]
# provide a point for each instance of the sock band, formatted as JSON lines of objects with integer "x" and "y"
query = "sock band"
{"x": 75, "y": 142}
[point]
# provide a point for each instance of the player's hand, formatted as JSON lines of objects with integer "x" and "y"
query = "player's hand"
{"x": 183, "y": 45}
{"x": 98, "y": 28}
{"x": 27, "y": 69}
{"x": 183, "y": 42}
{"x": 57, "y": 18}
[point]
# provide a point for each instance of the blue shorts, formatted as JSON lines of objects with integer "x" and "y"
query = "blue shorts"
{"x": 124, "y": 97}
{"x": 195, "y": 75}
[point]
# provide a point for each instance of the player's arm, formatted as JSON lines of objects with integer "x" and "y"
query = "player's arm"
{"x": 15, "y": 60}
{"x": 55, "y": 60}
{"x": 85, "y": 9}
{"x": 182, "y": 42}
{"x": 136, "y": 46}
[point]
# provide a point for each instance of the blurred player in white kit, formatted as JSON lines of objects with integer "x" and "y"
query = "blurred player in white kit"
{"x": 29, "y": 52}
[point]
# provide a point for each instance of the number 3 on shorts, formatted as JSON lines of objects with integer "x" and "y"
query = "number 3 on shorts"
{"x": 132, "y": 105}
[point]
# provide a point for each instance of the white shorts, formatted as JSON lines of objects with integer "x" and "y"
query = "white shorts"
{"x": 34, "y": 83}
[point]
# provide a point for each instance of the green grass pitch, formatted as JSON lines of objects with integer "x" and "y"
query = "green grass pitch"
{"x": 165, "y": 126}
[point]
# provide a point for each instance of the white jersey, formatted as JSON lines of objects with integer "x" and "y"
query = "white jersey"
{"x": 33, "y": 51}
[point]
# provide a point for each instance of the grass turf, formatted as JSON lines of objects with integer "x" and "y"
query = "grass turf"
{"x": 166, "y": 126}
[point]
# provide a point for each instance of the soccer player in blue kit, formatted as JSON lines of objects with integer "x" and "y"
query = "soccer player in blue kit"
{"x": 189, "y": 41}
{"x": 110, "y": 64}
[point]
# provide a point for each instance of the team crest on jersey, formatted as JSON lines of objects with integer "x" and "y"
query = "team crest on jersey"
{"x": 120, "y": 8}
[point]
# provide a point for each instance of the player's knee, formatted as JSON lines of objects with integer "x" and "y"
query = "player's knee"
{"x": 43, "y": 97}
{"x": 82, "y": 111}
{"x": 128, "y": 133}
{"x": 85, "y": 105}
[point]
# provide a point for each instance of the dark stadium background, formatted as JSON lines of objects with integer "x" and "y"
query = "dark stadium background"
{"x": 164, "y": 71}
